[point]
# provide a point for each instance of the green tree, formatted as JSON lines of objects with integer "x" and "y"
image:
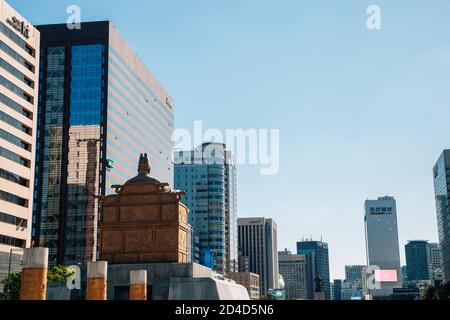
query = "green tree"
{"x": 59, "y": 274}
{"x": 11, "y": 284}
{"x": 439, "y": 292}
{"x": 11, "y": 287}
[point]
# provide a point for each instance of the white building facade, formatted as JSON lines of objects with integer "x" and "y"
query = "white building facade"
{"x": 382, "y": 247}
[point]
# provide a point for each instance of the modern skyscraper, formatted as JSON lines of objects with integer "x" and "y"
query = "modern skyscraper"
{"x": 19, "y": 56}
{"x": 441, "y": 174}
{"x": 382, "y": 246}
{"x": 207, "y": 175}
{"x": 293, "y": 269}
{"x": 258, "y": 243}
{"x": 319, "y": 253}
{"x": 99, "y": 108}
{"x": 354, "y": 273}
{"x": 418, "y": 263}
{"x": 435, "y": 256}
{"x": 337, "y": 287}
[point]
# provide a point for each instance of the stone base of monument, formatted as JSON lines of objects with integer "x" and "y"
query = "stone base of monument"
{"x": 318, "y": 296}
{"x": 174, "y": 281}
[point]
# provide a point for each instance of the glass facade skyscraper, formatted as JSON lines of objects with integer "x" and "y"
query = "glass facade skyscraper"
{"x": 99, "y": 108}
{"x": 441, "y": 174}
{"x": 318, "y": 251}
{"x": 418, "y": 263}
{"x": 208, "y": 176}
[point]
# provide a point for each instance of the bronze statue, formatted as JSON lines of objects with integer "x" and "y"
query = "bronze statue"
{"x": 144, "y": 165}
{"x": 319, "y": 284}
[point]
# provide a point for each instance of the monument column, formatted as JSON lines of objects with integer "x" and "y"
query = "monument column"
{"x": 138, "y": 285}
{"x": 97, "y": 272}
{"x": 34, "y": 274}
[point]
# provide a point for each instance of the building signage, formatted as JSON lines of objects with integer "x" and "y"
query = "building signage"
{"x": 380, "y": 210}
{"x": 19, "y": 26}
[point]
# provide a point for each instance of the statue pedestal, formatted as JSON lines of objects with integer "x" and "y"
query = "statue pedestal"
{"x": 318, "y": 296}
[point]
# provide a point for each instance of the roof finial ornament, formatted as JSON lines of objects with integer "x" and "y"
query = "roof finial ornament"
{"x": 144, "y": 165}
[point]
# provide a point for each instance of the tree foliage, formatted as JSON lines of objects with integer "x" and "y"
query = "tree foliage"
{"x": 11, "y": 284}
{"x": 59, "y": 274}
{"x": 439, "y": 292}
{"x": 11, "y": 287}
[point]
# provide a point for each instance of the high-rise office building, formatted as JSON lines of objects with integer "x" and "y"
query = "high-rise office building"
{"x": 435, "y": 256}
{"x": 99, "y": 108}
{"x": 441, "y": 174}
{"x": 207, "y": 175}
{"x": 318, "y": 251}
{"x": 354, "y": 273}
{"x": 337, "y": 287}
{"x": 293, "y": 269}
{"x": 382, "y": 246}
{"x": 418, "y": 263}
{"x": 258, "y": 243}
{"x": 19, "y": 56}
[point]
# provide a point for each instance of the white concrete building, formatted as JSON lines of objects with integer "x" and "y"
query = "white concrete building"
{"x": 382, "y": 247}
{"x": 19, "y": 64}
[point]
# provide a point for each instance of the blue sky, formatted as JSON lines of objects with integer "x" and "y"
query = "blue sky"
{"x": 361, "y": 113}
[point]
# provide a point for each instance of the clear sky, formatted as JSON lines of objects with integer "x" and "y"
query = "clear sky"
{"x": 361, "y": 113}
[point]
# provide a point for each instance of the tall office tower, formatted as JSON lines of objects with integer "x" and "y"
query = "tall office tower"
{"x": 258, "y": 243}
{"x": 208, "y": 176}
{"x": 435, "y": 256}
{"x": 19, "y": 56}
{"x": 337, "y": 287}
{"x": 441, "y": 174}
{"x": 418, "y": 263}
{"x": 99, "y": 108}
{"x": 354, "y": 273}
{"x": 293, "y": 269}
{"x": 382, "y": 246}
{"x": 319, "y": 253}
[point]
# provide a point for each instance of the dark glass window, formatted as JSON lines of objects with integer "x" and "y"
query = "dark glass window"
{"x": 86, "y": 85}
{"x": 5, "y": 174}
{"x": 12, "y": 198}
{"x": 15, "y": 106}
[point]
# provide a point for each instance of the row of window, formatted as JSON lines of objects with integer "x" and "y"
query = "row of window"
{"x": 12, "y": 198}
{"x": 15, "y": 106}
{"x": 10, "y": 219}
{"x": 13, "y": 54}
{"x": 14, "y": 122}
{"x": 10, "y": 241}
{"x": 14, "y": 140}
{"x": 15, "y": 89}
{"x": 15, "y": 38}
{"x": 14, "y": 157}
{"x": 5, "y": 174}
{"x": 16, "y": 73}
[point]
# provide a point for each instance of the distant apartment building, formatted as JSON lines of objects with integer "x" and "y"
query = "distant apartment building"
{"x": 19, "y": 74}
{"x": 257, "y": 239}
{"x": 337, "y": 287}
{"x": 418, "y": 261}
{"x": 435, "y": 256}
{"x": 248, "y": 280}
{"x": 441, "y": 175}
{"x": 99, "y": 108}
{"x": 293, "y": 269}
{"x": 382, "y": 246}
{"x": 207, "y": 175}
{"x": 317, "y": 251}
{"x": 354, "y": 273}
